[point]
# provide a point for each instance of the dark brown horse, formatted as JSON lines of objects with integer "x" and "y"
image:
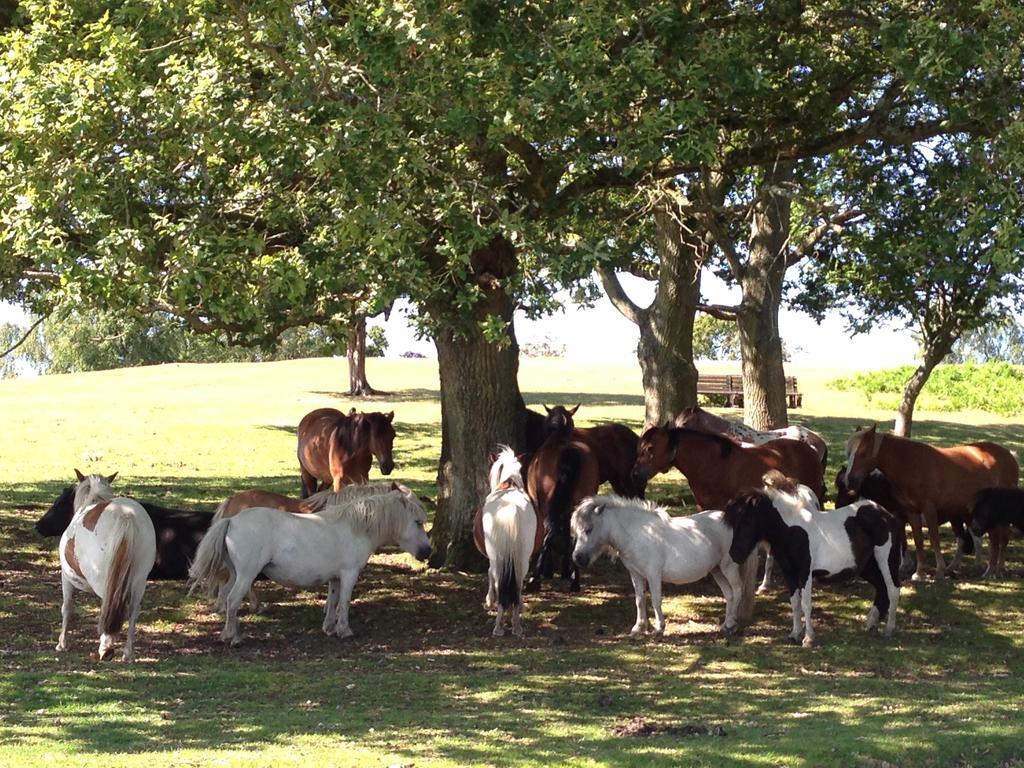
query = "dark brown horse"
{"x": 561, "y": 474}
{"x": 934, "y": 484}
{"x": 614, "y": 446}
{"x": 336, "y": 450}
{"x": 717, "y": 468}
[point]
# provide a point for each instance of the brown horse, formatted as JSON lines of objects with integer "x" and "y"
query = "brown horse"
{"x": 561, "y": 474}
{"x": 717, "y": 468}
{"x": 933, "y": 484}
{"x": 336, "y": 450}
{"x": 614, "y": 446}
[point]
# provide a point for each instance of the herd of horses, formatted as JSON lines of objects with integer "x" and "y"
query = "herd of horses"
{"x": 754, "y": 489}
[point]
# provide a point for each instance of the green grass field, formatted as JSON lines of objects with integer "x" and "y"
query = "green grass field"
{"x": 424, "y": 683}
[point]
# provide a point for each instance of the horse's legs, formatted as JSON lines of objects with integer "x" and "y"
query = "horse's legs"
{"x": 499, "y": 622}
{"x": 997, "y": 540}
{"x": 254, "y": 601}
{"x": 492, "y": 587}
{"x": 891, "y": 587}
{"x": 346, "y": 583}
{"x": 806, "y": 604}
{"x": 331, "y": 607}
{"x": 659, "y": 619}
{"x": 640, "y": 591}
{"x": 243, "y": 579}
{"x": 766, "y": 582}
{"x": 129, "y": 638}
{"x": 794, "y": 602}
{"x": 67, "y": 607}
{"x": 954, "y": 564}
{"x": 729, "y": 625}
{"x": 916, "y": 530}
{"x": 931, "y": 517}
{"x": 309, "y": 483}
{"x": 871, "y": 574}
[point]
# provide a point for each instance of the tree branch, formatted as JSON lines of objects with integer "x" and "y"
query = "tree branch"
{"x": 21, "y": 341}
{"x": 619, "y": 299}
{"x": 834, "y": 225}
{"x": 720, "y": 311}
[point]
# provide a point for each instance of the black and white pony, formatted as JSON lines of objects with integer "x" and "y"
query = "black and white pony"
{"x": 995, "y": 508}
{"x": 862, "y": 538}
{"x": 510, "y": 527}
{"x": 655, "y": 547}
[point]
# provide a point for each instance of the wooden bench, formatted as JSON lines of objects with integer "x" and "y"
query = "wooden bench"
{"x": 731, "y": 385}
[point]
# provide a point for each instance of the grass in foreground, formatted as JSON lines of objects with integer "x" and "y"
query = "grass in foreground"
{"x": 424, "y": 683}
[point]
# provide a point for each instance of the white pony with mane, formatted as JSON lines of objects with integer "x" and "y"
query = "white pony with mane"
{"x": 307, "y": 550}
{"x": 510, "y": 527}
{"x": 656, "y": 547}
{"x": 108, "y": 549}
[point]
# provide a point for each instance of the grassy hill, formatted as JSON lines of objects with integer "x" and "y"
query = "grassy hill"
{"x": 423, "y": 683}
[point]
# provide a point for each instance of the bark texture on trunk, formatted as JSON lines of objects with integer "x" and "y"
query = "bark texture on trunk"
{"x": 358, "y": 386}
{"x": 665, "y": 351}
{"x": 480, "y": 407}
{"x": 764, "y": 378}
{"x": 933, "y": 355}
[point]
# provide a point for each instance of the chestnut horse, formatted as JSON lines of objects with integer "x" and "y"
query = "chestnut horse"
{"x": 336, "y": 450}
{"x": 933, "y": 484}
{"x": 562, "y": 473}
{"x": 614, "y": 446}
{"x": 717, "y": 468}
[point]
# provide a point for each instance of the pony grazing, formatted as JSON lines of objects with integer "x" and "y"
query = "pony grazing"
{"x": 614, "y": 446}
{"x": 697, "y": 418}
{"x": 996, "y": 509}
{"x": 509, "y": 528}
{"x": 861, "y": 538}
{"x": 655, "y": 547}
{"x": 933, "y": 484}
{"x": 108, "y": 549}
{"x": 337, "y": 449}
{"x": 717, "y": 468}
{"x": 301, "y": 550}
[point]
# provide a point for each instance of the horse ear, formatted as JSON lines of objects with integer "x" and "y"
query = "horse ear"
{"x": 390, "y": 416}
{"x": 352, "y": 411}
{"x": 546, "y": 408}
{"x": 110, "y": 478}
{"x": 79, "y": 475}
{"x": 395, "y": 486}
{"x": 572, "y": 412}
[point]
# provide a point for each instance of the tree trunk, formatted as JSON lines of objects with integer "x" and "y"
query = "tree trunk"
{"x": 480, "y": 408}
{"x": 764, "y": 378}
{"x": 358, "y": 386}
{"x": 665, "y": 350}
{"x": 933, "y": 355}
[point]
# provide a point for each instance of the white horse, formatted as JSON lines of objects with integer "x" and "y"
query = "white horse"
{"x": 861, "y": 538}
{"x": 510, "y": 527}
{"x": 108, "y": 549}
{"x": 655, "y": 547}
{"x": 302, "y": 550}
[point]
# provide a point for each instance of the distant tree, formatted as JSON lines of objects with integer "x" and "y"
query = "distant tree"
{"x": 715, "y": 339}
{"x": 997, "y": 342}
{"x": 376, "y": 342}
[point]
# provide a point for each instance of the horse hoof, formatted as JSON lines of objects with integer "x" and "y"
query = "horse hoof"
{"x": 235, "y": 642}
{"x": 940, "y": 574}
{"x": 761, "y": 591}
{"x": 345, "y": 633}
{"x": 793, "y": 640}
{"x": 60, "y": 648}
{"x": 517, "y": 631}
{"x": 533, "y": 585}
{"x": 808, "y": 642}
{"x": 498, "y": 632}
{"x": 637, "y": 631}
{"x": 728, "y": 631}
{"x": 918, "y": 576}
{"x": 128, "y": 658}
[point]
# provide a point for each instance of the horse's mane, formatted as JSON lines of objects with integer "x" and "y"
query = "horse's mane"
{"x": 725, "y": 444}
{"x": 348, "y": 493}
{"x": 791, "y": 492}
{"x": 612, "y": 500}
{"x": 744, "y": 504}
{"x": 379, "y": 516}
{"x": 94, "y": 488}
{"x": 506, "y": 468}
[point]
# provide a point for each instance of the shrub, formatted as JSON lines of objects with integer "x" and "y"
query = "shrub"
{"x": 993, "y": 387}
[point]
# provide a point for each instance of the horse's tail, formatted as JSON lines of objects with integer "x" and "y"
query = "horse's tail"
{"x": 218, "y": 514}
{"x": 212, "y": 561}
{"x": 119, "y": 595}
{"x": 504, "y": 539}
{"x": 559, "y": 505}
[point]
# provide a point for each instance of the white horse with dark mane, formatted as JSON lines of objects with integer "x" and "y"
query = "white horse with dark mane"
{"x": 861, "y": 538}
{"x": 108, "y": 549}
{"x": 304, "y": 550}
{"x": 655, "y": 547}
{"x": 510, "y": 527}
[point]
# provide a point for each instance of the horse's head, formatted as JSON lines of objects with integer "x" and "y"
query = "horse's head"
{"x": 588, "y": 531}
{"x": 655, "y": 453}
{"x": 861, "y": 456}
{"x": 381, "y": 438}
{"x": 505, "y": 467}
{"x": 750, "y": 516}
{"x": 412, "y": 537}
{"x": 844, "y": 496}
{"x": 91, "y": 489}
{"x": 58, "y": 516}
{"x": 559, "y": 420}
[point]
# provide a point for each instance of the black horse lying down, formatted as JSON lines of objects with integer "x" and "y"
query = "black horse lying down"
{"x": 178, "y": 533}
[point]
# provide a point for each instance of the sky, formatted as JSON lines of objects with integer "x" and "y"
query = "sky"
{"x": 601, "y": 334}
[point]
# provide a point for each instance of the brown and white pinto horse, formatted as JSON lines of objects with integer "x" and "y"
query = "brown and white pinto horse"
{"x": 337, "y": 449}
{"x": 933, "y": 484}
{"x": 614, "y": 446}
{"x": 717, "y": 468}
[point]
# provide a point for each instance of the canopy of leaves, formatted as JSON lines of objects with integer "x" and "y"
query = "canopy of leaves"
{"x": 995, "y": 342}
{"x": 715, "y": 339}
